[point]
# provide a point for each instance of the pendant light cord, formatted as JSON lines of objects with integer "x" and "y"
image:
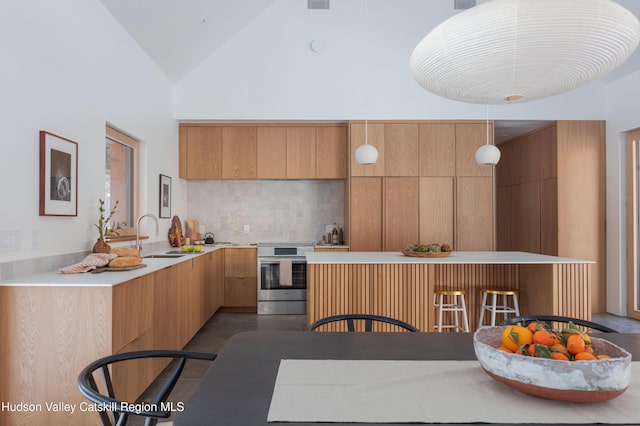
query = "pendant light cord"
{"x": 487, "y": 124}
{"x": 366, "y": 60}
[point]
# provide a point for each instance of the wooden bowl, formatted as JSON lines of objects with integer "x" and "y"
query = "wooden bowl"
{"x": 427, "y": 253}
{"x": 573, "y": 381}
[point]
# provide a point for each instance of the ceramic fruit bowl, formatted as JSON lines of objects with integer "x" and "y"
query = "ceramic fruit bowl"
{"x": 573, "y": 381}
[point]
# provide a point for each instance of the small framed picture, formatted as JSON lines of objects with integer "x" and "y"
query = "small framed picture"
{"x": 165, "y": 196}
{"x": 58, "y": 175}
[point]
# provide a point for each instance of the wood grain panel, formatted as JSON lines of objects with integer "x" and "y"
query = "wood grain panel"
{"x": 239, "y": 153}
{"x": 331, "y": 152}
{"x": 474, "y": 214}
{"x": 365, "y": 221}
{"x": 182, "y": 152}
{"x": 45, "y": 326}
{"x": 204, "y": 153}
{"x": 401, "y": 144}
{"x": 133, "y": 310}
{"x": 503, "y": 218}
{"x": 436, "y": 210}
{"x": 331, "y": 249}
{"x": 581, "y": 213}
{"x": 437, "y": 149}
{"x": 507, "y": 162}
{"x": 374, "y": 134}
{"x": 549, "y": 216}
{"x": 525, "y": 217}
{"x": 240, "y": 291}
{"x": 301, "y": 152}
{"x": 272, "y": 152}
{"x": 165, "y": 313}
{"x": 469, "y": 137}
{"x": 547, "y": 139}
{"x": 401, "y": 212}
{"x": 241, "y": 262}
{"x": 131, "y": 378}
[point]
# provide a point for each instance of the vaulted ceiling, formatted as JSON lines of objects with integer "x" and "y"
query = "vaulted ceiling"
{"x": 179, "y": 34}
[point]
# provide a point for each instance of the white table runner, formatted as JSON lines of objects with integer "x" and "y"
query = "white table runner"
{"x": 425, "y": 392}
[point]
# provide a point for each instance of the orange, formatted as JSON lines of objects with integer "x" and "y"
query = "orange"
{"x": 559, "y": 356}
{"x": 535, "y": 326}
{"x": 559, "y": 347}
{"x": 515, "y": 335}
{"x": 584, "y": 356}
{"x": 503, "y": 348}
{"x": 587, "y": 339}
{"x": 543, "y": 337}
{"x": 575, "y": 344}
{"x": 603, "y": 357}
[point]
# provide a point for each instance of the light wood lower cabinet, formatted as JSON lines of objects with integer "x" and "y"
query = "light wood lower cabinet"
{"x": 241, "y": 278}
{"x": 49, "y": 333}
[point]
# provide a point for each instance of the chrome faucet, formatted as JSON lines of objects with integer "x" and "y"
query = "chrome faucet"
{"x": 138, "y": 245}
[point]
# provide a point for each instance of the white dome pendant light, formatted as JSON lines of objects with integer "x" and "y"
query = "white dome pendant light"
{"x": 488, "y": 154}
{"x": 508, "y": 51}
{"x": 366, "y": 154}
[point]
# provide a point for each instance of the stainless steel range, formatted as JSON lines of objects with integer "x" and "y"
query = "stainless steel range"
{"x": 282, "y": 277}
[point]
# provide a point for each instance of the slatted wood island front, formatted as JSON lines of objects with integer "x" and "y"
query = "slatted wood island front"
{"x": 391, "y": 284}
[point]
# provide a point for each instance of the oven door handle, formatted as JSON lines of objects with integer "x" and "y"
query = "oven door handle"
{"x": 275, "y": 260}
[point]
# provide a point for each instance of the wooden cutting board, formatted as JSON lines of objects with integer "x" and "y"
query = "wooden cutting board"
{"x": 124, "y": 268}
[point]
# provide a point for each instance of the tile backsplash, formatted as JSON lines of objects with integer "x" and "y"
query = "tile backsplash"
{"x": 273, "y": 210}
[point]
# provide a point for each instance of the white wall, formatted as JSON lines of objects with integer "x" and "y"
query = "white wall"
{"x": 268, "y": 72}
{"x": 68, "y": 68}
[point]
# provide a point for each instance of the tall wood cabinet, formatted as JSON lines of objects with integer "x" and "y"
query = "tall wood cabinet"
{"x": 551, "y": 196}
{"x": 425, "y": 188}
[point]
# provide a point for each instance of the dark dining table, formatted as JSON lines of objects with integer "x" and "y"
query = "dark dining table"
{"x": 237, "y": 388}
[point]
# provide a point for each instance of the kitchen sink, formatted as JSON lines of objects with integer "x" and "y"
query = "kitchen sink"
{"x": 162, "y": 256}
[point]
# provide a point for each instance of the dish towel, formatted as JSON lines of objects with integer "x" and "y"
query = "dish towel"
{"x": 285, "y": 273}
{"x": 89, "y": 263}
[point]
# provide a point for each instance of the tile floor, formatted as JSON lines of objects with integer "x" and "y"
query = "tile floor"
{"x": 215, "y": 333}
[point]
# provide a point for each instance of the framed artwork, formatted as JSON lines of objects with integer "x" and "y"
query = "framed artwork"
{"x": 165, "y": 196}
{"x": 58, "y": 175}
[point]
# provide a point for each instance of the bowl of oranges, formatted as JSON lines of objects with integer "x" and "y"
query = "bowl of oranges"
{"x": 566, "y": 365}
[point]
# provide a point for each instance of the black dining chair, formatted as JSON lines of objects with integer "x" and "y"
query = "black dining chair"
{"x": 116, "y": 412}
{"x": 368, "y": 319}
{"x": 548, "y": 319}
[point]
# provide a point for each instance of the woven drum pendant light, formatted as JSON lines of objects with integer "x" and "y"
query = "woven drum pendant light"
{"x": 507, "y": 51}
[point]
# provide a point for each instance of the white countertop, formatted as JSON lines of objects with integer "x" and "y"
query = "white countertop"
{"x": 459, "y": 257}
{"x": 111, "y": 278}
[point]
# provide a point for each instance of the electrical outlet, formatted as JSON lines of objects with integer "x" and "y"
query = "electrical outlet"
{"x": 245, "y": 229}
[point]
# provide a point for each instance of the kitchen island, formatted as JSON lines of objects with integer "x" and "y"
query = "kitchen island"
{"x": 391, "y": 284}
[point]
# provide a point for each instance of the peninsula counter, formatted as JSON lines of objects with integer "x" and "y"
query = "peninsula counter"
{"x": 391, "y": 284}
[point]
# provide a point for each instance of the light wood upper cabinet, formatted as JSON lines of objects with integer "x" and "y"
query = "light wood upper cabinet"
{"x": 401, "y": 212}
{"x": 239, "y": 152}
{"x": 374, "y": 134}
{"x": 200, "y": 151}
{"x": 437, "y": 149}
{"x": 272, "y": 152}
{"x": 474, "y": 214}
{"x": 301, "y": 152}
{"x": 401, "y": 142}
{"x": 469, "y": 137}
{"x": 331, "y": 152}
{"x": 365, "y": 222}
{"x": 436, "y": 210}
{"x": 263, "y": 151}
